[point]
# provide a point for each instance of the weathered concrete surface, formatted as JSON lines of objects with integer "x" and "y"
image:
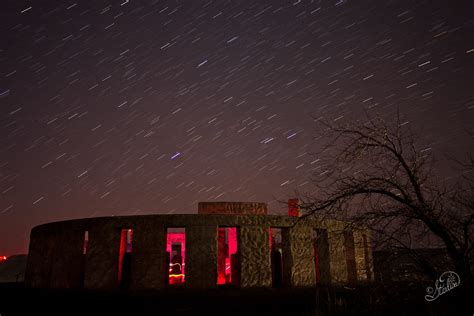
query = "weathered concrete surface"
{"x": 337, "y": 254}
{"x": 40, "y": 258}
{"x": 149, "y": 257}
{"x": 369, "y": 255}
{"x": 67, "y": 266}
{"x": 102, "y": 258}
{"x": 201, "y": 257}
{"x": 254, "y": 249}
{"x": 302, "y": 256}
{"x": 232, "y": 208}
{"x": 360, "y": 256}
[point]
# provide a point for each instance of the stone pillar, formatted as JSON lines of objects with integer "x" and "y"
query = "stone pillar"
{"x": 66, "y": 271}
{"x": 303, "y": 270}
{"x": 360, "y": 255}
{"x": 337, "y": 256}
{"x": 369, "y": 261}
{"x": 349, "y": 246}
{"x": 38, "y": 268}
{"x": 254, "y": 254}
{"x": 149, "y": 258}
{"x": 201, "y": 257}
{"x": 322, "y": 247}
{"x": 102, "y": 258}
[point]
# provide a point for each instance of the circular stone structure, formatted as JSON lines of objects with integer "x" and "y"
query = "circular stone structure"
{"x": 225, "y": 243}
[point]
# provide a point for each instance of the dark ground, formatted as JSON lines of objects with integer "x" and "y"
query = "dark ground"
{"x": 396, "y": 299}
{"x": 13, "y": 269}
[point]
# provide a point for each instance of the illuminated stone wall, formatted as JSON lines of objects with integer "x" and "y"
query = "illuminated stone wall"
{"x": 302, "y": 255}
{"x": 337, "y": 257}
{"x": 255, "y": 256}
{"x": 56, "y": 255}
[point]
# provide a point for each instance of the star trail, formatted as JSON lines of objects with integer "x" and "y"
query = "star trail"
{"x": 112, "y": 108}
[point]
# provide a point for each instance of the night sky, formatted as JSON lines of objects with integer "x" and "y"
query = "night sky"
{"x": 148, "y": 107}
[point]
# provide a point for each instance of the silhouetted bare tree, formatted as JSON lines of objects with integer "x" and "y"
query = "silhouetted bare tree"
{"x": 372, "y": 173}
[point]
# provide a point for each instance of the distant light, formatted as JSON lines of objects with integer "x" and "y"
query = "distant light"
{"x": 3, "y": 258}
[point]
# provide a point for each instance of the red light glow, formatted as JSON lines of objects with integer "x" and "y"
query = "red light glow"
{"x": 226, "y": 248}
{"x": 125, "y": 246}
{"x": 3, "y": 258}
{"x": 176, "y": 247}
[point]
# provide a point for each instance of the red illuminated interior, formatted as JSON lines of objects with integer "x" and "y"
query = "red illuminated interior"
{"x": 226, "y": 255}
{"x": 176, "y": 248}
{"x": 276, "y": 254}
{"x": 85, "y": 244}
{"x": 125, "y": 247}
